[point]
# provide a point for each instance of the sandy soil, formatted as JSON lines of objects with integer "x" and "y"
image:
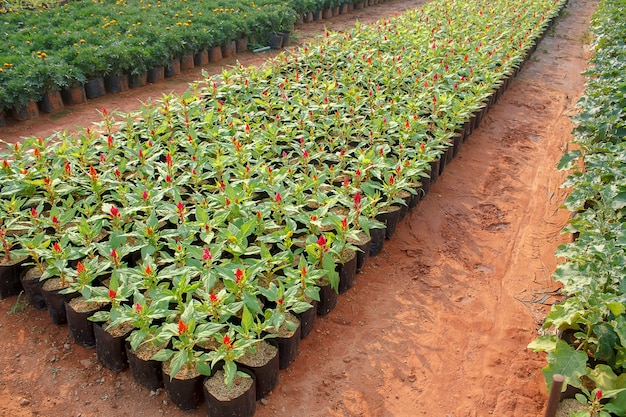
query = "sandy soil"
{"x": 437, "y": 324}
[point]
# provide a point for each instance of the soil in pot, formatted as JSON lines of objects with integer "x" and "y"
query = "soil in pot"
{"x": 238, "y": 401}
{"x": 347, "y": 271}
{"x": 110, "y": 345}
{"x": 10, "y": 272}
{"x": 146, "y": 372}
{"x": 185, "y": 389}
{"x": 78, "y": 311}
{"x": 287, "y": 341}
{"x": 31, "y": 283}
{"x": 264, "y": 364}
{"x": 55, "y": 301}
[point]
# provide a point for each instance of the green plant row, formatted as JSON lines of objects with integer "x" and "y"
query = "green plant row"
{"x": 591, "y": 353}
{"x": 45, "y": 50}
{"x": 206, "y": 218}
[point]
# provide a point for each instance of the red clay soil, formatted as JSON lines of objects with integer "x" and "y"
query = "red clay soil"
{"x": 437, "y": 324}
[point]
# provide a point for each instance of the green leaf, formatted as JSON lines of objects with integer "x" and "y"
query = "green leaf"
{"x": 204, "y": 367}
{"x": 604, "y": 377}
{"x": 179, "y": 359}
{"x": 606, "y": 342}
{"x": 545, "y": 343}
{"x": 567, "y": 361}
{"x": 162, "y": 355}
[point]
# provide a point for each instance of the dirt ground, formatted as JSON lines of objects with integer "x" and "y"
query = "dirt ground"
{"x": 437, "y": 324}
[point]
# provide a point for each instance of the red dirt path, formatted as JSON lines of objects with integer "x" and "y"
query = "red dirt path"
{"x": 437, "y": 324}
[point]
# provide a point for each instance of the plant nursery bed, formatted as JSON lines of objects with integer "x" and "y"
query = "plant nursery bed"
{"x": 437, "y": 323}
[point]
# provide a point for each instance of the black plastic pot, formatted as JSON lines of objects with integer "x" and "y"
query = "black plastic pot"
{"x": 31, "y": 283}
{"x": 185, "y": 393}
{"x": 378, "y": 240}
{"x": 328, "y": 300}
{"x": 288, "y": 347}
{"x": 307, "y": 320}
{"x": 146, "y": 373}
{"x": 55, "y": 303}
{"x": 363, "y": 253}
{"x": 116, "y": 83}
{"x": 110, "y": 349}
{"x": 266, "y": 376}
{"x": 80, "y": 327}
{"x": 275, "y": 40}
{"x": 95, "y": 88}
{"x": 434, "y": 170}
{"x": 156, "y": 74}
{"x": 241, "y": 406}
{"x": 390, "y": 219}
{"x": 10, "y": 279}
{"x": 347, "y": 274}
{"x": 138, "y": 80}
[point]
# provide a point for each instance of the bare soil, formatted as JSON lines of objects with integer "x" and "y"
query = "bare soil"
{"x": 437, "y": 324}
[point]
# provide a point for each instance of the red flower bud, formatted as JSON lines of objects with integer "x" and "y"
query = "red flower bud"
{"x": 56, "y": 247}
{"x": 68, "y": 168}
{"x": 227, "y": 341}
{"x": 115, "y": 212}
{"x": 206, "y": 255}
{"x": 144, "y": 195}
{"x": 344, "y": 223}
{"x": 80, "y": 268}
{"x": 599, "y": 394}
{"x": 321, "y": 241}
{"x": 278, "y": 198}
{"x": 168, "y": 160}
{"x": 138, "y": 307}
{"x": 112, "y": 294}
{"x": 33, "y": 212}
{"x": 182, "y": 327}
{"x": 238, "y": 276}
{"x": 213, "y": 298}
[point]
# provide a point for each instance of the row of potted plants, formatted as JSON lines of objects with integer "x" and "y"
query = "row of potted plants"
{"x": 591, "y": 348}
{"x": 208, "y": 223}
{"x": 49, "y": 50}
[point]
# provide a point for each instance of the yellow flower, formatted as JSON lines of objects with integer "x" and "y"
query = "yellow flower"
{"x": 82, "y": 41}
{"x": 27, "y": 42}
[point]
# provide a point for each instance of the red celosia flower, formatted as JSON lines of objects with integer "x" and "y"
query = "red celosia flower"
{"x": 227, "y": 341}
{"x": 278, "y": 198}
{"x": 168, "y": 160}
{"x": 344, "y": 223}
{"x": 148, "y": 270}
{"x": 55, "y": 220}
{"x": 213, "y": 298}
{"x": 182, "y": 327}
{"x": 80, "y": 268}
{"x": 180, "y": 206}
{"x": 110, "y": 141}
{"x": 391, "y": 180}
{"x": 112, "y": 294}
{"x": 138, "y": 307}
{"x": 56, "y": 247}
{"x": 321, "y": 241}
{"x": 303, "y": 270}
{"x": 114, "y": 254}
{"x": 144, "y": 195}
{"x": 115, "y": 212}
{"x": 68, "y": 168}
{"x": 599, "y": 394}
{"x": 168, "y": 179}
{"x": 93, "y": 174}
{"x": 206, "y": 255}
{"x": 33, "y": 212}
{"x": 357, "y": 199}
{"x": 238, "y": 276}
{"x": 103, "y": 158}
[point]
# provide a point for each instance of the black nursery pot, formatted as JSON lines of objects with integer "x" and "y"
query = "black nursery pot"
{"x": 55, "y": 302}
{"x": 288, "y": 347}
{"x": 146, "y": 373}
{"x": 390, "y": 219}
{"x": 378, "y": 240}
{"x": 434, "y": 170}
{"x": 80, "y": 327}
{"x": 110, "y": 349}
{"x": 185, "y": 393}
{"x": 241, "y": 406}
{"x": 266, "y": 376}
{"x": 10, "y": 280}
{"x": 31, "y": 283}
{"x": 307, "y": 320}
{"x": 347, "y": 274}
{"x": 363, "y": 253}
{"x": 328, "y": 300}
